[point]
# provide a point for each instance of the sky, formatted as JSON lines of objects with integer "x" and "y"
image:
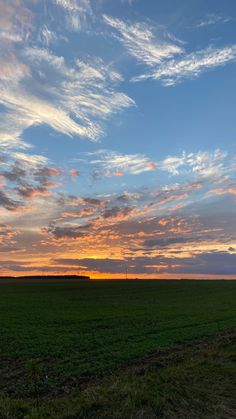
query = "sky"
{"x": 118, "y": 138}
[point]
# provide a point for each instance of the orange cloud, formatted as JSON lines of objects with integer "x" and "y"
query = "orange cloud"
{"x": 118, "y": 173}
{"x": 74, "y": 173}
{"x": 152, "y": 165}
{"x": 223, "y": 191}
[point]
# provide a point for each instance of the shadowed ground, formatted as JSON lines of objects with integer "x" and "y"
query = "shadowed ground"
{"x": 190, "y": 381}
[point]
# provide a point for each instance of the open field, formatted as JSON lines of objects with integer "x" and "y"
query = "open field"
{"x": 76, "y": 340}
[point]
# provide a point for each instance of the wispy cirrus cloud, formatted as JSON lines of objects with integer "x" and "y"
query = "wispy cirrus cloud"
{"x": 77, "y": 12}
{"x": 15, "y": 21}
{"x": 203, "y": 164}
{"x": 213, "y": 19}
{"x": 192, "y": 65}
{"x": 72, "y": 5}
{"x": 38, "y": 87}
{"x": 141, "y": 43}
{"x": 167, "y": 62}
{"x": 47, "y": 36}
{"x": 72, "y": 101}
{"x": 111, "y": 162}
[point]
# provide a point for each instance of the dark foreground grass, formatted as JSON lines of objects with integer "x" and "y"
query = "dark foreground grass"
{"x": 56, "y": 335}
{"x": 194, "y": 381}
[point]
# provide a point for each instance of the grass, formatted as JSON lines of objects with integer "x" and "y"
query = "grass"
{"x": 65, "y": 347}
{"x": 192, "y": 382}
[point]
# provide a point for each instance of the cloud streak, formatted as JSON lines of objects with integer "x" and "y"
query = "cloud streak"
{"x": 192, "y": 65}
{"x": 167, "y": 62}
{"x": 38, "y": 87}
{"x": 77, "y": 13}
{"x": 213, "y": 19}
{"x": 72, "y": 101}
{"x": 203, "y": 164}
{"x": 113, "y": 163}
{"x": 141, "y": 43}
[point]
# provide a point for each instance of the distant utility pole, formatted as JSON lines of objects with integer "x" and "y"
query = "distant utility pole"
{"x": 125, "y": 265}
{"x": 126, "y": 271}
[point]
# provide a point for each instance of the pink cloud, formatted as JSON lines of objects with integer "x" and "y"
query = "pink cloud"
{"x": 74, "y": 173}
{"x": 118, "y": 173}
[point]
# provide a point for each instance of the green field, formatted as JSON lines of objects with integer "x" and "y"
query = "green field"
{"x": 57, "y": 337}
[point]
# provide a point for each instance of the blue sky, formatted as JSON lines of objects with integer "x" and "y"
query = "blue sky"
{"x": 117, "y": 137}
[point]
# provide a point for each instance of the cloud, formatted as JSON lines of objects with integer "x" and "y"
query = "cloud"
{"x": 141, "y": 43}
{"x": 73, "y": 5}
{"x": 77, "y": 12}
{"x": 212, "y": 19}
{"x": 15, "y": 21}
{"x": 165, "y": 241}
{"x": 203, "y": 164}
{"x": 92, "y": 201}
{"x": 140, "y": 224}
{"x": 116, "y": 212}
{"x": 7, "y": 234}
{"x": 44, "y": 172}
{"x": 14, "y": 174}
{"x": 72, "y": 232}
{"x": 47, "y": 36}
{"x": 223, "y": 191}
{"x": 37, "y": 87}
{"x": 209, "y": 263}
{"x": 29, "y": 159}
{"x": 167, "y": 62}
{"x": 26, "y": 176}
{"x": 7, "y": 202}
{"x": 128, "y": 1}
{"x": 116, "y": 266}
{"x": 74, "y": 173}
{"x": 32, "y": 192}
{"x": 116, "y": 164}
{"x": 117, "y": 215}
{"x": 192, "y": 65}
{"x": 21, "y": 167}
{"x": 72, "y": 101}
{"x": 27, "y": 267}
{"x": 208, "y": 164}
{"x": 172, "y": 164}
{"x": 75, "y": 93}
{"x": 99, "y": 265}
